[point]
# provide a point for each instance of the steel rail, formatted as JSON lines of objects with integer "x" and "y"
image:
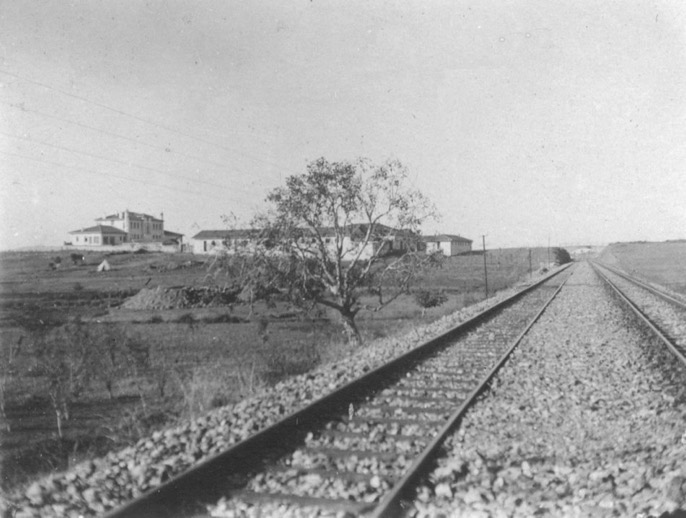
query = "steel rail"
{"x": 206, "y": 481}
{"x": 652, "y": 289}
{"x": 642, "y": 315}
{"x": 391, "y": 505}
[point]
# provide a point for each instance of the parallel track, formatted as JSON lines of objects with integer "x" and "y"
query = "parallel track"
{"x": 360, "y": 449}
{"x": 663, "y": 313}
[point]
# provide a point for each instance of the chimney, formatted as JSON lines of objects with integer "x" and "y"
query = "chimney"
{"x": 162, "y": 216}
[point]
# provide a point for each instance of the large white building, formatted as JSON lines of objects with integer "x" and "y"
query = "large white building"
{"x": 124, "y": 227}
{"x": 139, "y": 228}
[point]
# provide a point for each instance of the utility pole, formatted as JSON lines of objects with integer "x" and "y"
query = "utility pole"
{"x": 530, "y": 270}
{"x": 548, "y": 249}
{"x": 483, "y": 238}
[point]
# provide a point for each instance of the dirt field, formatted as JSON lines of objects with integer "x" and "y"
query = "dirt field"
{"x": 661, "y": 263}
{"x": 199, "y": 358}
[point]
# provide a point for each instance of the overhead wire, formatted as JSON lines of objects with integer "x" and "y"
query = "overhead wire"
{"x": 112, "y": 134}
{"x": 111, "y": 175}
{"x": 117, "y": 161}
{"x": 143, "y": 119}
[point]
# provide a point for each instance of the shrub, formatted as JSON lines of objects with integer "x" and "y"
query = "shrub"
{"x": 186, "y": 318}
{"x": 282, "y": 359}
{"x": 73, "y": 358}
{"x": 561, "y": 256}
{"x": 429, "y": 299}
{"x": 205, "y": 388}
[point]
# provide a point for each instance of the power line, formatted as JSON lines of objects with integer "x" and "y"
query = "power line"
{"x": 92, "y": 171}
{"x": 110, "y": 133}
{"x": 141, "y": 119}
{"x": 115, "y": 160}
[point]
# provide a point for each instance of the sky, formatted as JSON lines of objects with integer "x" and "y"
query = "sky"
{"x": 529, "y": 122}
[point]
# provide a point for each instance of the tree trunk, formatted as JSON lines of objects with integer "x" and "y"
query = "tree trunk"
{"x": 351, "y": 332}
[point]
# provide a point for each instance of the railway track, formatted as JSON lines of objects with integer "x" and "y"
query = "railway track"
{"x": 664, "y": 313}
{"x": 359, "y": 449}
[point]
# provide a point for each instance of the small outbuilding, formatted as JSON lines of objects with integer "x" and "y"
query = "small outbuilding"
{"x": 448, "y": 244}
{"x": 104, "y": 266}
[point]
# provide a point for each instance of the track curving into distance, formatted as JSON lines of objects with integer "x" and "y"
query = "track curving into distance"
{"x": 358, "y": 450}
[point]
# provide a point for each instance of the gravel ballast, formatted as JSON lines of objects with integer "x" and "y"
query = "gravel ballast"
{"x": 588, "y": 418}
{"x": 94, "y": 487}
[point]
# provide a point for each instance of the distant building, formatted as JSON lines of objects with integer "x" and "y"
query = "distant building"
{"x": 139, "y": 228}
{"x": 98, "y": 235}
{"x": 172, "y": 238}
{"x": 448, "y": 244}
{"x": 384, "y": 240}
{"x": 217, "y": 241}
{"x": 125, "y": 227}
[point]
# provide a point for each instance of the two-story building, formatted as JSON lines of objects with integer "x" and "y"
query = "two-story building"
{"x": 139, "y": 227}
{"x": 125, "y": 227}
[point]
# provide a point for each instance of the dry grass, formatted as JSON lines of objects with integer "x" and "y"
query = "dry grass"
{"x": 661, "y": 263}
{"x": 199, "y": 359}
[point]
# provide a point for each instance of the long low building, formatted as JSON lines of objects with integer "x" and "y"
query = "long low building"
{"x": 448, "y": 244}
{"x": 384, "y": 240}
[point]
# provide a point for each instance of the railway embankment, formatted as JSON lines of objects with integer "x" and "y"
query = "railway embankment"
{"x": 588, "y": 418}
{"x": 96, "y": 486}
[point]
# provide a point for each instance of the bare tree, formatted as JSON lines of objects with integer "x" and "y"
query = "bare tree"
{"x": 7, "y": 371}
{"x": 62, "y": 357}
{"x": 116, "y": 354}
{"x": 338, "y": 232}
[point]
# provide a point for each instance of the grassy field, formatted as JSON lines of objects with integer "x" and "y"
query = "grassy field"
{"x": 196, "y": 359}
{"x": 662, "y": 263}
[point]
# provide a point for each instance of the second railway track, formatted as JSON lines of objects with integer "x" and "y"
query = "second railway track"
{"x": 356, "y": 451}
{"x": 662, "y": 311}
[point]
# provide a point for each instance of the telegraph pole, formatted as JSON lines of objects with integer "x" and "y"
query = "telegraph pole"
{"x": 530, "y": 270}
{"x": 483, "y": 238}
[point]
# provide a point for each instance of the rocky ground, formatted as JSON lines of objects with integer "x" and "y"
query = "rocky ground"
{"x": 96, "y": 486}
{"x": 587, "y": 419}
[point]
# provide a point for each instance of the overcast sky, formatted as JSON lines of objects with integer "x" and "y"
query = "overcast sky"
{"x": 522, "y": 120}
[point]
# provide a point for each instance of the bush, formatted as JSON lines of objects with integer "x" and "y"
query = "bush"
{"x": 205, "y": 388}
{"x": 429, "y": 299}
{"x": 561, "y": 256}
{"x": 186, "y": 318}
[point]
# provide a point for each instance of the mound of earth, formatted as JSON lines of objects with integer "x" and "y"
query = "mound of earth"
{"x": 180, "y": 297}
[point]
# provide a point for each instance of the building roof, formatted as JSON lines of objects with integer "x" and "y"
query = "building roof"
{"x": 100, "y": 229}
{"x": 356, "y": 231}
{"x": 169, "y": 233}
{"x": 137, "y": 216}
{"x": 359, "y": 231}
{"x": 446, "y": 238}
{"x": 224, "y": 234}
